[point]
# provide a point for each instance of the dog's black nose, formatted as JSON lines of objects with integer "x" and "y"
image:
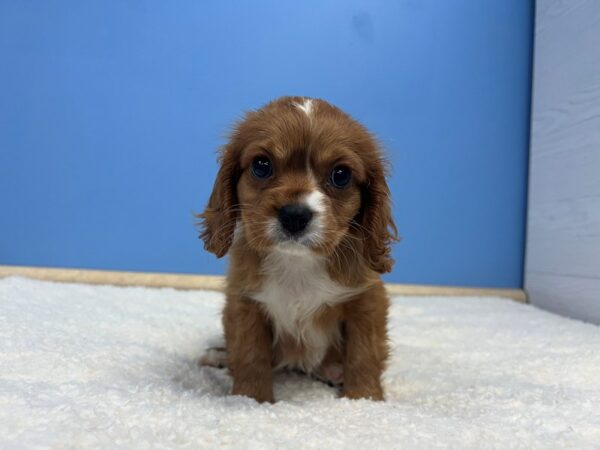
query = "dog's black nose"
{"x": 294, "y": 218}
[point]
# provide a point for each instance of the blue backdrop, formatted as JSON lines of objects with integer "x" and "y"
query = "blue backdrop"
{"x": 111, "y": 113}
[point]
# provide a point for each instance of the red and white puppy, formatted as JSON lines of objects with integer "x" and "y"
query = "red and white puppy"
{"x": 301, "y": 205}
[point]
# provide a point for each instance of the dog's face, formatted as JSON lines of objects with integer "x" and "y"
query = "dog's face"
{"x": 301, "y": 175}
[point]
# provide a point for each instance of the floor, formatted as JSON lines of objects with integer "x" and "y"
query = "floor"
{"x": 99, "y": 366}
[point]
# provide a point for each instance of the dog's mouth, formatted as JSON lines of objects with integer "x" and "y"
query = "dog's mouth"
{"x": 308, "y": 239}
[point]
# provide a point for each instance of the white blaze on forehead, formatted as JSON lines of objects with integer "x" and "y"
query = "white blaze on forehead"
{"x": 315, "y": 202}
{"x": 306, "y": 106}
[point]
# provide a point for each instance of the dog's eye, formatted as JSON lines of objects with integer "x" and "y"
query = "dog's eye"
{"x": 340, "y": 176}
{"x": 262, "y": 167}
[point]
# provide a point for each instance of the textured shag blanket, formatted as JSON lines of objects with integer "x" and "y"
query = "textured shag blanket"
{"x": 98, "y": 366}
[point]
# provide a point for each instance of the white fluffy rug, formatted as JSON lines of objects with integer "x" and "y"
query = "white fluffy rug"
{"x": 99, "y": 366}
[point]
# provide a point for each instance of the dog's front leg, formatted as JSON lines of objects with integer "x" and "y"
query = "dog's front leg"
{"x": 248, "y": 339}
{"x": 366, "y": 348}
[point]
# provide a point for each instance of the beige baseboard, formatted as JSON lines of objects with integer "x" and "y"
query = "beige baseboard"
{"x": 213, "y": 282}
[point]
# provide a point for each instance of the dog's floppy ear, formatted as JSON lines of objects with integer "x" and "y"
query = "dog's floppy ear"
{"x": 219, "y": 218}
{"x": 377, "y": 223}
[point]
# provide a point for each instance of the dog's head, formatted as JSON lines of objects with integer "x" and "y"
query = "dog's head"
{"x": 301, "y": 175}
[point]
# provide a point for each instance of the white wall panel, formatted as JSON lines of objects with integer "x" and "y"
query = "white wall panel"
{"x": 563, "y": 234}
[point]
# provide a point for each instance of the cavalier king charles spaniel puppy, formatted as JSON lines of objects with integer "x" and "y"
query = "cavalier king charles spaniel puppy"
{"x": 301, "y": 205}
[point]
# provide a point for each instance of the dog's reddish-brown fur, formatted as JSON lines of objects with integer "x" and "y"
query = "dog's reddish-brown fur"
{"x": 357, "y": 233}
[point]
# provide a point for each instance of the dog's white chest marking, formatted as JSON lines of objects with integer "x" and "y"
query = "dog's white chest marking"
{"x": 296, "y": 286}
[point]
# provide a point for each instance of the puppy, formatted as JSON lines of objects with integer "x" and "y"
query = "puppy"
{"x": 302, "y": 207}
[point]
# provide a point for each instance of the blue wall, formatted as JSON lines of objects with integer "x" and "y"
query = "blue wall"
{"x": 111, "y": 112}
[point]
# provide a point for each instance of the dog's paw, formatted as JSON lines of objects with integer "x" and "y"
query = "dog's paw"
{"x": 334, "y": 373}
{"x": 374, "y": 392}
{"x": 331, "y": 374}
{"x": 214, "y": 357}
